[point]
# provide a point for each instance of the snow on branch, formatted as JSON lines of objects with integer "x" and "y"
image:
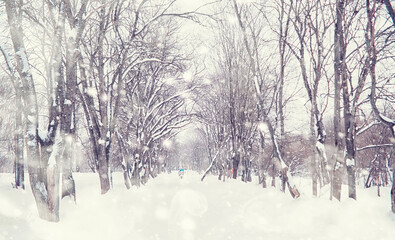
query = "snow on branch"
{"x": 374, "y": 146}
{"x": 167, "y": 128}
{"x": 367, "y": 127}
{"x": 387, "y": 119}
{"x": 146, "y": 60}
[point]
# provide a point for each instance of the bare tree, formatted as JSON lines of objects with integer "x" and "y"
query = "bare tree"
{"x": 117, "y": 32}
{"x": 372, "y": 58}
{"x": 43, "y": 152}
{"x": 18, "y": 130}
{"x": 153, "y": 107}
{"x": 73, "y": 15}
{"x": 252, "y": 53}
{"x": 311, "y": 23}
{"x": 340, "y": 74}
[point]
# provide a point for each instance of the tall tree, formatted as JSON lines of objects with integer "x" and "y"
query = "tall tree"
{"x": 257, "y": 78}
{"x": 42, "y": 149}
{"x": 19, "y": 144}
{"x": 152, "y": 109}
{"x": 370, "y": 35}
{"x": 110, "y": 54}
{"x": 311, "y": 23}
{"x": 74, "y": 16}
{"x": 340, "y": 74}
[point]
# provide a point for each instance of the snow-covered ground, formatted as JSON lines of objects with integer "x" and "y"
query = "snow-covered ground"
{"x": 170, "y": 208}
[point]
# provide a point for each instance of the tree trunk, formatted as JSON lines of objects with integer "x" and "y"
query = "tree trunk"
{"x": 68, "y": 119}
{"x": 350, "y": 154}
{"x": 393, "y": 189}
{"x": 314, "y": 160}
{"x": 40, "y": 176}
{"x": 349, "y": 129}
{"x": 372, "y": 57}
{"x": 235, "y": 162}
{"x": 262, "y": 180}
{"x": 53, "y": 173}
{"x": 126, "y": 178}
{"x": 338, "y": 169}
{"x": 103, "y": 170}
{"x": 19, "y": 166}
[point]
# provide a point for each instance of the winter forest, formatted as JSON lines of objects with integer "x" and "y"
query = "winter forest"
{"x": 206, "y": 119}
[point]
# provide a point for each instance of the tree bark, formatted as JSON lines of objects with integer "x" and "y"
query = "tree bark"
{"x": 338, "y": 169}
{"x": 19, "y": 166}
{"x": 393, "y": 189}
{"x": 349, "y": 129}
{"x": 235, "y": 164}
{"x": 45, "y": 195}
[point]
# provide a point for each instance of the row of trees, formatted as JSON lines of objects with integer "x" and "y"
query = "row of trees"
{"x": 106, "y": 75}
{"x": 343, "y": 52}
{"x": 108, "y": 78}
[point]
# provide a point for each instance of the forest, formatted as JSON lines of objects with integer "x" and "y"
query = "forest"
{"x": 239, "y": 89}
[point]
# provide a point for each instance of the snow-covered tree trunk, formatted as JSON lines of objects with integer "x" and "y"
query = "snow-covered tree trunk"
{"x": 43, "y": 177}
{"x": 339, "y": 52}
{"x": 19, "y": 165}
{"x": 349, "y": 155}
{"x": 393, "y": 189}
{"x": 76, "y": 23}
{"x": 314, "y": 157}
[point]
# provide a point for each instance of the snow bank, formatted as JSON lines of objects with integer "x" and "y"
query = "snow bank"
{"x": 172, "y": 208}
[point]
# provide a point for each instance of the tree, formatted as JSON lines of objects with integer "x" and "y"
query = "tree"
{"x": 73, "y": 14}
{"x": 110, "y": 55}
{"x": 352, "y": 63}
{"x": 340, "y": 74}
{"x": 311, "y": 23}
{"x": 253, "y": 57}
{"x": 153, "y": 108}
{"x": 212, "y": 114}
{"x": 43, "y": 165}
{"x": 18, "y": 128}
{"x": 372, "y": 59}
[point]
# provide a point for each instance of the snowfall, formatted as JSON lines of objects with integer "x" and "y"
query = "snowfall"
{"x": 168, "y": 207}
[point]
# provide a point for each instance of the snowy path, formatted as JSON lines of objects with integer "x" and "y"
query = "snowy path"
{"x": 170, "y": 208}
